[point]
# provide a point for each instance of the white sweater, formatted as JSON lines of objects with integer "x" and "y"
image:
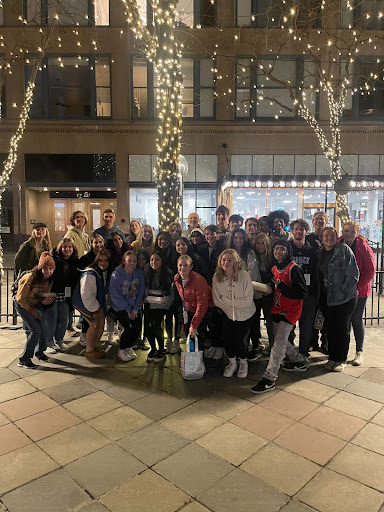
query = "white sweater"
{"x": 235, "y": 298}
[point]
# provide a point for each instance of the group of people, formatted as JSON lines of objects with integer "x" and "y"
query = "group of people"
{"x": 215, "y": 283}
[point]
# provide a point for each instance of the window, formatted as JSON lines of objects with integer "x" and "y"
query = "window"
{"x": 188, "y": 12}
{"x": 2, "y": 16}
{"x": 256, "y": 91}
{"x": 368, "y": 77}
{"x": 198, "y": 92}
{"x": 366, "y": 15}
{"x": 270, "y": 13}
{"x": 72, "y": 88}
{"x": 69, "y": 12}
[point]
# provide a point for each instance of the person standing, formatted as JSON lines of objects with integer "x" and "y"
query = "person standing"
{"x": 222, "y": 215}
{"x": 134, "y": 232}
{"x": 27, "y": 257}
{"x": 305, "y": 256}
{"x": 278, "y": 220}
{"x": 33, "y": 296}
{"x": 146, "y": 240}
{"x": 251, "y": 228}
{"x": 367, "y": 268}
{"x": 76, "y": 232}
{"x": 319, "y": 221}
{"x": 175, "y": 231}
{"x": 193, "y": 222}
{"x": 338, "y": 276}
{"x": 290, "y": 290}
{"x": 211, "y": 252}
{"x": 232, "y": 292}
{"x": 109, "y": 226}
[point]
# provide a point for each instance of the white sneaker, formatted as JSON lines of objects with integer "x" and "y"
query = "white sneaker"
{"x": 131, "y": 353}
{"x": 50, "y": 350}
{"x": 111, "y": 340}
{"x": 329, "y": 365}
{"x": 175, "y": 347}
{"x": 124, "y": 354}
{"x": 210, "y": 352}
{"x": 219, "y": 352}
{"x": 242, "y": 372}
{"x": 339, "y": 367}
{"x": 62, "y": 346}
{"x": 231, "y": 368}
{"x": 358, "y": 360}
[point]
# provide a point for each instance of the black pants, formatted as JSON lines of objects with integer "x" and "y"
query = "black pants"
{"x": 132, "y": 329}
{"x": 153, "y": 329}
{"x": 236, "y": 337}
{"x": 215, "y": 318}
{"x": 306, "y": 324}
{"x": 173, "y": 313}
{"x": 338, "y": 322}
{"x": 265, "y": 304}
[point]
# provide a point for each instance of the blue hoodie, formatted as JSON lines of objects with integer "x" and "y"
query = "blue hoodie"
{"x": 126, "y": 290}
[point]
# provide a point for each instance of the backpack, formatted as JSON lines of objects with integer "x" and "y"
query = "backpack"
{"x": 15, "y": 285}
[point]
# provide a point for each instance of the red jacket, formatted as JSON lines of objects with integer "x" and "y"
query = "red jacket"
{"x": 196, "y": 296}
{"x": 366, "y": 263}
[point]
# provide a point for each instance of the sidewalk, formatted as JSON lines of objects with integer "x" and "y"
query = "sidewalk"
{"x": 136, "y": 437}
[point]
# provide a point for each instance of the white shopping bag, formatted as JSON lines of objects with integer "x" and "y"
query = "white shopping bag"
{"x": 192, "y": 363}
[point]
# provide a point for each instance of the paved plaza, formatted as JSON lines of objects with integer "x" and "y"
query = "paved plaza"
{"x": 136, "y": 437}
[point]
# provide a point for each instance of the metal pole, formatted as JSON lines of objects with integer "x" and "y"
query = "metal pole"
{"x": 326, "y": 197}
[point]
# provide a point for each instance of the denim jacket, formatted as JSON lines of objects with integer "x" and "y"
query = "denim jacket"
{"x": 343, "y": 275}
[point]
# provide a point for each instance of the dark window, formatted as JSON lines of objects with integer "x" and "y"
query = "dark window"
{"x": 69, "y": 12}
{"x": 70, "y": 168}
{"x": 273, "y": 13}
{"x": 369, "y": 101}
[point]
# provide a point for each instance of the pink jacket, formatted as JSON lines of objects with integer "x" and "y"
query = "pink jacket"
{"x": 366, "y": 263}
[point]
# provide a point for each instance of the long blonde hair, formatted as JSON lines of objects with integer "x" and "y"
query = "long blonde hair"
{"x": 140, "y": 238}
{"x": 46, "y": 241}
{"x": 238, "y": 265}
{"x": 265, "y": 259}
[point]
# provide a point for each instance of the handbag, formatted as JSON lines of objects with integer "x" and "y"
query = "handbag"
{"x": 192, "y": 363}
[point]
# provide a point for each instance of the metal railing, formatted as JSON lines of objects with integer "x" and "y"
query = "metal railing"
{"x": 8, "y": 312}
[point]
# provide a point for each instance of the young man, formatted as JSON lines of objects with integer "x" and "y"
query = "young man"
{"x": 235, "y": 221}
{"x": 306, "y": 257}
{"x": 319, "y": 221}
{"x": 222, "y": 214}
{"x": 193, "y": 222}
{"x": 109, "y": 227}
{"x": 290, "y": 290}
{"x": 212, "y": 251}
{"x": 251, "y": 228}
{"x": 278, "y": 220}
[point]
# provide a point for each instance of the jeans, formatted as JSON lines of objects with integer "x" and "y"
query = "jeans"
{"x": 358, "y": 324}
{"x": 306, "y": 324}
{"x": 132, "y": 329}
{"x": 236, "y": 336}
{"x": 56, "y": 321}
{"x": 36, "y": 337}
{"x": 338, "y": 325}
{"x": 281, "y": 347}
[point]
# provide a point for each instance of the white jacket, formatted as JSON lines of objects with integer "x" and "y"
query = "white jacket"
{"x": 235, "y": 299}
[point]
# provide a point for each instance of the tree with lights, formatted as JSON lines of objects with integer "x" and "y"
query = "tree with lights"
{"x": 329, "y": 36}
{"x": 161, "y": 47}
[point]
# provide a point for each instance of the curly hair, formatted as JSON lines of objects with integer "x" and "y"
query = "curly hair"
{"x": 278, "y": 214}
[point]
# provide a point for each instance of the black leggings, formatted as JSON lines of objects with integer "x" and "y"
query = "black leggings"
{"x": 236, "y": 336}
{"x": 338, "y": 325}
{"x": 153, "y": 329}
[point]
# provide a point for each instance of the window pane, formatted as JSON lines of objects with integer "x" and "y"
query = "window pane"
{"x": 101, "y": 12}
{"x": 206, "y": 168}
{"x": 143, "y": 205}
{"x": 187, "y": 70}
{"x": 33, "y": 11}
{"x": 284, "y": 164}
{"x": 140, "y": 103}
{"x": 140, "y": 168}
{"x": 346, "y": 14}
{"x": 190, "y": 175}
{"x": 72, "y": 12}
{"x": 243, "y": 103}
{"x": 241, "y": 164}
{"x": 368, "y": 165}
{"x": 140, "y": 94}
{"x": 206, "y": 206}
{"x": 59, "y": 214}
{"x": 267, "y": 108}
{"x": 249, "y": 203}
{"x": 185, "y": 13}
{"x": 206, "y": 73}
{"x": 142, "y": 6}
{"x": 282, "y": 69}
{"x": 187, "y": 103}
{"x": 69, "y": 88}
{"x": 207, "y": 13}
{"x": 243, "y": 73}
{"x": 244, "y": 12}
{"x": 305, "y": 164}
{"x": 322, "y": 165}
{"x": 281, "y": 199}
{"x": 309, "y": 98}
{"x": 349, "y": 163}
{"x": 139, "y": 73}
{"x": 102, "y": 72}
{"x": 262, "y": 165}
{"x": 371, "y": 77}
{"x": 37, "y": 107}
{"x": 103, "y": 102}
{"x": 206, "y": 103}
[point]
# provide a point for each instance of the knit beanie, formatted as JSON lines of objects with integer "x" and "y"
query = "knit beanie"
{"x": 46, "y": 260}
{"x": 198, "y": 230}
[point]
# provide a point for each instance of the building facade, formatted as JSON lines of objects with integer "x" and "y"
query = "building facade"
{"x": 90, "y": 140}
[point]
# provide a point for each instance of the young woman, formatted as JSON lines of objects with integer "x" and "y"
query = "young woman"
{"x": 198, "y": 241}
{"x": 263, "y": 249}
{"x": 27, "y": 257}
{"x": 290, "y": 290}
{"x": 367, "y": 268}
{"x": 117, "y": 248}
{"x": 127, "y": 289}
{"x": 159, "y": 298}
{"x": 232, "y": 292}
{"x": 165, "y": 248}
{"x": 175, "y": 231}
{"x": 32, "y": 298}
{"x": 183, "y": 247}
{"x": 65, "y": 279}
{"x": 89, "y": 299}
{"x": 142, "y": 260}
{"x": 195, "y": 294}
{"x": 338, "y": 275}
{"x": 76, "y": 232}
{"x": 97, "y": 243}
{"x": 146, "y": 240}
{"x": 134, "y": 232}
